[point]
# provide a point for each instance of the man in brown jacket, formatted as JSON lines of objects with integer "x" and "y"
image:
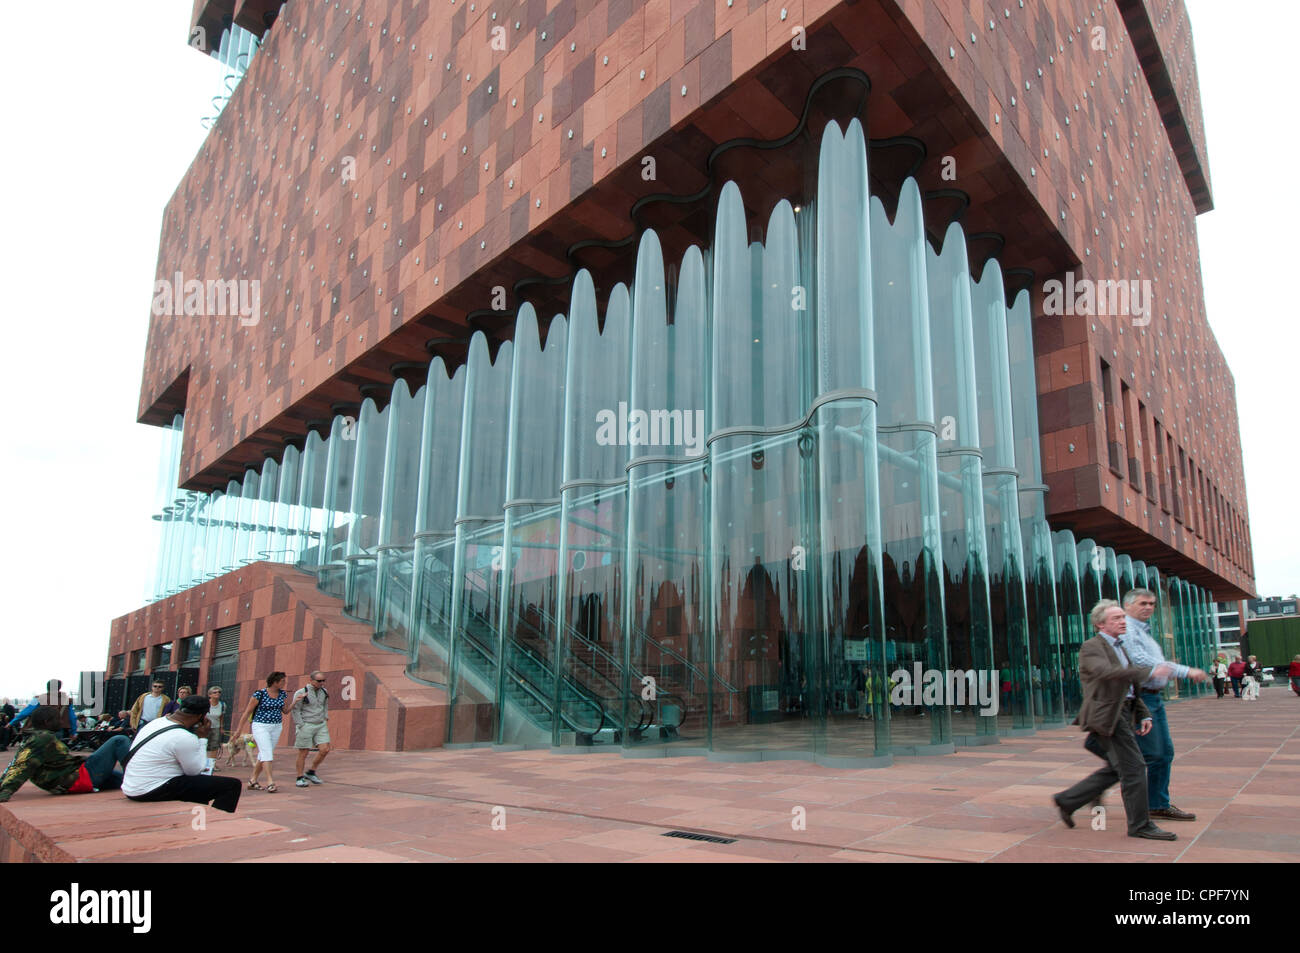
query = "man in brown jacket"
{"x": 1113, "y": 715}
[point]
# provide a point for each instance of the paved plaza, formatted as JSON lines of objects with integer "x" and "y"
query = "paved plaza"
{"x": 1238, "y": 769}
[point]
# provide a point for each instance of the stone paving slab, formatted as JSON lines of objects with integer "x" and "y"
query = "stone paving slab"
{"x": 1238, "y": 768}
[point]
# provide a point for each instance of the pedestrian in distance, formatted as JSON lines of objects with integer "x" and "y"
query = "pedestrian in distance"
{"x": 216, "y": 712}
{"x": 310, "y": 711}
{"x": 265, "y": 716}
{"x": 174, "y": 705}
{"x": 1236, "y": 670}
{"x": 149, "y": 706}
{"x": 1219, "y": 669}
{"x": 54, "y": 697}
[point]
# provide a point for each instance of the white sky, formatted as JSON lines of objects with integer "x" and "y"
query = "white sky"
{"x": 102, "y": 124}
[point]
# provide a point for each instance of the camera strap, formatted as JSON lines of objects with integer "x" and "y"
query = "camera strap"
{"x": 131, "y": 754}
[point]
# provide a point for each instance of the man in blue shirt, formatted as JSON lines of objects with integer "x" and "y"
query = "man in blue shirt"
{"x": 1157, "y": 745}
{"x": 54, "y": 696}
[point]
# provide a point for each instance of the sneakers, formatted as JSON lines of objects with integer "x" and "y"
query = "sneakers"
{"x": 311, "y": 776}
{"x": 301, "y": 782}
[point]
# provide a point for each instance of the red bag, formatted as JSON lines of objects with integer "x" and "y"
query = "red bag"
{"x": 82, "y": 785}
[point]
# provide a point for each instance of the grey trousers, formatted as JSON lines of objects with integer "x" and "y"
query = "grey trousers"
{"x": 1125, "y": 764}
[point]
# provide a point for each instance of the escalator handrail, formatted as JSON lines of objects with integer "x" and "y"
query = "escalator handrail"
{"x": 647, "y": 715}
{"x": 513, "y": 670}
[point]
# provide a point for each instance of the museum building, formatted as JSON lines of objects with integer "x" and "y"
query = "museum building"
{"x": 663, "y": 377}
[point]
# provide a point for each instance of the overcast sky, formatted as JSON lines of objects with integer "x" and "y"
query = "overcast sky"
{"x": 101, "y": 125}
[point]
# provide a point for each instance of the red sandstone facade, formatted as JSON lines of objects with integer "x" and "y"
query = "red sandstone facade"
{"x": 288, "y": 625}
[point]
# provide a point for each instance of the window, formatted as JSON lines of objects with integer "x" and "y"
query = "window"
{"x": 117, "y": 665}
{"x": 137, "y": 660}
{"x": 1203, "y": 529}
{"x": 164, "y": 656}
{"x": 1189, "y": 515}
{"x": 1144, "y": 452}
{"x": 1161, "y": 468}
{"x": 1133, "y": 464}
{"x": 1108, "y": 403}
{"x": 191, "y": 650}
{"x": 1174, "y": 495}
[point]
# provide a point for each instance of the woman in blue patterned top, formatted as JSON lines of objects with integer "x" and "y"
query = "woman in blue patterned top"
{"x": 266, "y": 709}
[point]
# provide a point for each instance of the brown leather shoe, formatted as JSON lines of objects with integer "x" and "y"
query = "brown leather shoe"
{"x": 1151, "y": 832}
{"x": 1172, "y": 813}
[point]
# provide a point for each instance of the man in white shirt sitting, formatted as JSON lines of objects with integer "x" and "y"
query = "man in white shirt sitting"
{"x": 167, "y": 759}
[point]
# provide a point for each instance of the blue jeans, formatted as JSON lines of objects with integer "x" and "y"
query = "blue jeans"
{"x": 1158, "y": 751}
{"x": 102, "y": 765}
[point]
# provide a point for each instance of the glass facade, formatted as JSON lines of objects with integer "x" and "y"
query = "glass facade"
{"x": 234, "y": 50}
{"x": 717, "y": 510}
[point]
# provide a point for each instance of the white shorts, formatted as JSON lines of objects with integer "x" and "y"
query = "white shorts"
{"x": 266, "y": 737}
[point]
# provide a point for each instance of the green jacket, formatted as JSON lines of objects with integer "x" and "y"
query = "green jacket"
{"x": 45, "y": 761}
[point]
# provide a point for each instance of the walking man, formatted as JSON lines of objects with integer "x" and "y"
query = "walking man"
{"x": 1114, "y": 716}
{"x": 1157, "y": 745}
{"x": 310, "y": 708}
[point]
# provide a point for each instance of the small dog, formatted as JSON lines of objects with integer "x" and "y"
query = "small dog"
{"x": 1249, "y": 689}
{"x": 234, "y": 746}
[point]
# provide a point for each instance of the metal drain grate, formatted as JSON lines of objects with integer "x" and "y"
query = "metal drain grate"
{"x": 707, "y": 838}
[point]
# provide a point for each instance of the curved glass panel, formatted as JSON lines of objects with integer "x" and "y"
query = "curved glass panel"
{"x": 1110, "y": 576}
{"x": 308, "y": 524}
{"x": 367, "y": 498}
{"x": 165, "y": 498}
{"x": 527, "y": 627}
{"x": 759, "y": 485}
{"x": 1040, "y": 572}
{"x": 435, "y": 521}
{"x": 960, "y": 480}
{"x": 259, "y": 545}
{"x": 849, "y": 550}
{"x": 666, "y": 637}
{"x": 336, "y": 515}
{"x": 212, "y": 537}
{"x": 250, "y": 500}
{"x": 286, "y": 502}
{"x": 1124, "y": 569}
{"x": 589, "y": 617}
{"x": 1071, "y": 616}
{"x": 479, "y": 553}
{"x": 230, "y": 527}
{"x": 907, "y": 448}
{"x": 1002, "y": 501}
{"x": 394, "y": 564}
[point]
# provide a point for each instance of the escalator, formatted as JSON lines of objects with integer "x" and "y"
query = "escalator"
{"x": 594, "y": 706}
{"x": 529, "y": 680}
